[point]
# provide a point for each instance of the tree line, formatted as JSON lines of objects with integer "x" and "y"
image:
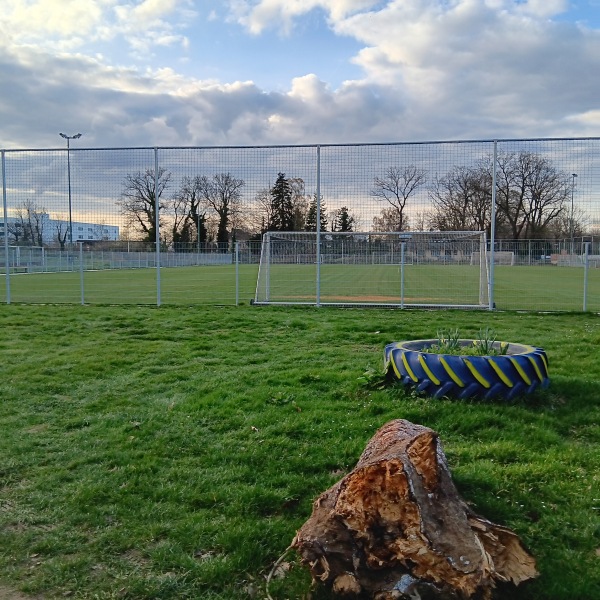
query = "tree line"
{"x": 207, "y": 210}
{"x": 533, "y": 201}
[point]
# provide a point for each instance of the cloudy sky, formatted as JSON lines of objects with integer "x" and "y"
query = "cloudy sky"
{"x": 254, "y": 72}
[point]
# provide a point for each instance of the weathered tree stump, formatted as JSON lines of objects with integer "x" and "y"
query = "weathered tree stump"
{"x": 396, "y": 527}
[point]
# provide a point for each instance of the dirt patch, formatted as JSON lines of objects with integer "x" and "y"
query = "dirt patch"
{"x": 7, "y": 593}
{"x": 364, "y": 299}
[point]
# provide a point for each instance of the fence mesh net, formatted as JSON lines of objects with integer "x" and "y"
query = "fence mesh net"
{"x": 93, "y": 211}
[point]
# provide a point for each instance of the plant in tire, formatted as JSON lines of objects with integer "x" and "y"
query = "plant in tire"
{"x": 514, "y": 370}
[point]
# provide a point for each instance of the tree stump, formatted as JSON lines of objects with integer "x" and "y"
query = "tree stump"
{"x": 396, "y": 527}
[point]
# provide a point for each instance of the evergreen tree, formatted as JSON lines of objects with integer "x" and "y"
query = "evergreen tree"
{"x": 343, "y": 220}
{"x": 201, "y": 231}
{"x": 311, "y": 216}
{"x": 282, "y": 208}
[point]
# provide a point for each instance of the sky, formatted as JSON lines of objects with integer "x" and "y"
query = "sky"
{"x": 145, "y": 73}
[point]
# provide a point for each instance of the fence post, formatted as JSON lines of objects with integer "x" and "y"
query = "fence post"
{"x": 586, "y": 265}
{"x": 318, "y": 225}
{"x": 493, "y": 229}
{"x": 268, "y": 264}
{"x": 157, "y": 226}
{"x": 81, "y": 273}
{"x": 402, "y": 247}
{"x": 237, "y": 273}
{"x": 6, "y": 261}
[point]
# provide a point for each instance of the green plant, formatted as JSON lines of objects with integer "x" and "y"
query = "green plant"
{"x": 485, "y": 343}
{"x": 450, "y": 342}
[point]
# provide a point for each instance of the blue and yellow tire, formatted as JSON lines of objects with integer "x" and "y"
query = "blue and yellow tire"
{"x": 520, "y": 371}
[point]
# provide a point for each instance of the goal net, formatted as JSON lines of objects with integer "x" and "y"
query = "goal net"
{"x": 364, "y": 268}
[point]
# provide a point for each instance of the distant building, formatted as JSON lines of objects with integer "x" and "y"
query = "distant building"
{"x": 50, "y": 232}
{"x": 93, "y": 232}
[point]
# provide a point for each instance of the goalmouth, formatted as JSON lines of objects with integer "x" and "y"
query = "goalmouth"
{"x": 395, "y": 269}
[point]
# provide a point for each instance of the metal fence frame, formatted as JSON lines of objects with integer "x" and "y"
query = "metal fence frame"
{"x": 76, "y": 256}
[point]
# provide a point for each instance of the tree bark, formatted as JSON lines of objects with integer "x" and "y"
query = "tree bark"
{"x": 396, "y": 527}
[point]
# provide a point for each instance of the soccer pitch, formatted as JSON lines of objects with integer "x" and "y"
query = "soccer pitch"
{"x": 516, "y": 288}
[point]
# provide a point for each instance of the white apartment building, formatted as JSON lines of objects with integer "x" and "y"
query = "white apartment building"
{"x": 52, "y": 231}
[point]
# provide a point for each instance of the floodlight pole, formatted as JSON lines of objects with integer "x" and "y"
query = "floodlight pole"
{"x": 69, "y": 138}
{"x": 574, "y": 175}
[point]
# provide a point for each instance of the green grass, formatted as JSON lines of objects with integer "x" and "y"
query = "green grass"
{"x": 517, "y": 288}
{"x": 173, "y": 452}
{"x": 182, "y": 285}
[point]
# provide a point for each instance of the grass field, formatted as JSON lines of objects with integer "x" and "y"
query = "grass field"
{"x": 516, "y": 288}
{"x": 173, "y": 452}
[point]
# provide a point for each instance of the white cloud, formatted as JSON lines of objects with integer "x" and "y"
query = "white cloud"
{"x": 432, "y": 69}
{"x": 148, "y": 11}
{"x": 484, "y": 61}
{"x": 70, "y": 24}
{"x": 54, "y": 17}
{"x": 263, "y": 14}
{"x": 543, "y": 8}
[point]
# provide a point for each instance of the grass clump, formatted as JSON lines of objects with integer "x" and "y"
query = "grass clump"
{"x": 172, "y": 453}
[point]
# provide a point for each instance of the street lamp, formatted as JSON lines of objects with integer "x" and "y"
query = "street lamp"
{"x": 574, "y": 175}
{"x": 69, "y": 138}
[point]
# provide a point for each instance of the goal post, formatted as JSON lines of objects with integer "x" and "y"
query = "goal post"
{"x": 404, "y": 269}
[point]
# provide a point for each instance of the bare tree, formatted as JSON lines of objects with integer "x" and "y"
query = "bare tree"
{"x": 28, "y": 227}
{"x": 388, "y": 220}
{"x": 531, "y": 197}
{"x": 396, "y": 187}
{"x": 139, "y": 201}
{"x": 531, "y": 194}
{"x": 62, "y": 232}
{"x": 300, "y": 203}
{"x": 221, "y": 194}
{"x": 462, "y": 200}
{"x": 577, "y": 224}
{"x": 189, "y": 213}
{"x": 178, "y": 222}
{"x": 261, "y": 214}
{"x": 422, "y": 221}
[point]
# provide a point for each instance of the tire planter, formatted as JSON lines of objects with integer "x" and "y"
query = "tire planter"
{"x": 520, "y": 371}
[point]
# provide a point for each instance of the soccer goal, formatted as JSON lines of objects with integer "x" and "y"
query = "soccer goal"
{"x": 401, "y": 269}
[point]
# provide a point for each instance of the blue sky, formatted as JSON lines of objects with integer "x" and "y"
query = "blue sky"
{"x": 226, "y": 51}
{"x": 253, "y": 72}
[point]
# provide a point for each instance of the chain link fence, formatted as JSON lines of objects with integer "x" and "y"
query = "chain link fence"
{"x": 184, "y": 225}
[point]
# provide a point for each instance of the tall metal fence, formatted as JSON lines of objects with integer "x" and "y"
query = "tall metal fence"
{"x": 82, "y": 225}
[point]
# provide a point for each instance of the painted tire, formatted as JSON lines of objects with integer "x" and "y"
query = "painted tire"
{"x": 520, "y": 371}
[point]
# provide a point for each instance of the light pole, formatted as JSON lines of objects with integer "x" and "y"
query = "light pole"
{"x": 574, "y": 175}
{"x": 69, "y": 138}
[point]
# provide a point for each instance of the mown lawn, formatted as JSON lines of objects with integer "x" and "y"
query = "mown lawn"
{"x": 516, "y": 288}
{"x": 173, "y": 452}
